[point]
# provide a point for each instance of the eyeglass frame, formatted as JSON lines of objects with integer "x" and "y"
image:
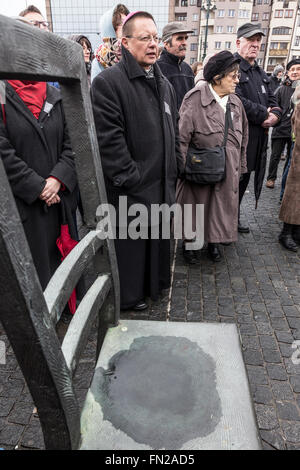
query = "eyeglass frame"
{"x": 39, "y": 23}
{"x": 146, "y": 39}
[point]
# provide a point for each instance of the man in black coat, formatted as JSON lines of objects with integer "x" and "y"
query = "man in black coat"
{"x": 260, "y": 105}
{"x": 171, "y": 61}
{"x": 136, "y": 123}
{"x": 282, "y": 134}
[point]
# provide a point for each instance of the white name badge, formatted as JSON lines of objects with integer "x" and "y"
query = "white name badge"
{"x": 48, "y": 107}
{"x": 167, "y": 108}
{"x": 263, "y": 89}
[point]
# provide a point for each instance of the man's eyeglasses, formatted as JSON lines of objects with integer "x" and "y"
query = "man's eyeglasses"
{"x": 40, "y": 24}
{"x": 146, "y": 39}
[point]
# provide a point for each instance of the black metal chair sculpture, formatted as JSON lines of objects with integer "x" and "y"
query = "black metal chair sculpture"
{"x": 157, "y": 385}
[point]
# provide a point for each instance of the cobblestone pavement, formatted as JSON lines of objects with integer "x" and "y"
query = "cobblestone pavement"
{"x": 256, "y": 285}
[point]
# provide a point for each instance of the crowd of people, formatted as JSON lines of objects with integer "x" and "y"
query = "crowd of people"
{"x": 154, "y": 116}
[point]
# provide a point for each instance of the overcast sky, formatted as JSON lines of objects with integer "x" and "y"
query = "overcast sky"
{"x": 13, "y": 7}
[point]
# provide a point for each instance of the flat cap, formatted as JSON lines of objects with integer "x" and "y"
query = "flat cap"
{"x": 249, "y": 29}
{"x": 218, "y": 63}
{"x": 175, "y": 27}
{"x": 292, "y": 62}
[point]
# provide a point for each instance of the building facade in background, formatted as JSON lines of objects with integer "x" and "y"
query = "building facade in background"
{"x": 214, "y": 23}
{"x": 218, "y": 21}
{"x": 83, "y": 16}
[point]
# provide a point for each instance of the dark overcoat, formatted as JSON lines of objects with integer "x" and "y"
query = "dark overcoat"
{"x": 290, "y": 206}
{"x": 178, "y": 72}
{"x": 139, "y": 145}
{"x": 31, "y": 151}
{"x": 283, "y": 95}
{"x": 202, "y": 125}
{"x": 136, "y": 123}
{"x": 257, "y": 96}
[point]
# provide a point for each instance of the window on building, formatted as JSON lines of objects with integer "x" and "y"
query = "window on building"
{"x": 288, "y": 13}
{"x": 218, "y": 45}
{"x": 227, "y": 45}
{"x": 255, "y": 16}
{"x": 180, "y": 17}
{"x": 265, "y": 31}
{"x": 219, "y": 29}
{"x": 231, "y": 13}
{"x": 229, "y": 29}
{"x": 221, "y": 13}
{"x": 283, "y": 45}
{"x": 285, "y": 3}
{"x": 193, "y": 2}
{"x": 184, "y": 3}
{"x": 194, "y": 32}
{"x": 278, "y": 14}
{"x": 195, "y": 17}
{"x": 176, "y": 3}
{"x": 266, "y": 2}
{"x": 282, "y": 31}
{"x": 259, "y": 2}
{"x": 244, "y": 13}
{"x": 194, "y": 46}
{"x": 265, "y": 16}
{"x": 192, "y": 60}
{"x": 274, "y": 45}
{"x": 262, "y": 47}
{"x": 297, "y": 40}
{"x": 259, "y": 61}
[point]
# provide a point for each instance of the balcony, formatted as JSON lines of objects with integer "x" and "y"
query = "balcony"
{"x": 278, "y": 52}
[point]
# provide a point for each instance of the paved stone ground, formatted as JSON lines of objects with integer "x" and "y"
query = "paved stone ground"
{"x": 256, "y": 285}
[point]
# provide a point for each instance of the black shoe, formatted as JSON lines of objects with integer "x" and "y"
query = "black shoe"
{"x": 242, "y": 228}
{"x": 189, "y": 255}
{"x": 214, "y": 251}
{"x": 296, "y": 234}
{"x": 140, "y": 306}
{"x": 286, "y": 239}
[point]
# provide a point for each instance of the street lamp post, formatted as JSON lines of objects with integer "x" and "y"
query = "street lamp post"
{"x": 209, "y": 6}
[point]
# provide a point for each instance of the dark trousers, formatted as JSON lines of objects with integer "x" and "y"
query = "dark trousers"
{"x": 277, "y": 149}
{"x": 244, "y": 181}
{"x": 144, "y": 269}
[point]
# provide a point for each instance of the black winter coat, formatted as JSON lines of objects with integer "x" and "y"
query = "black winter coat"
{"x": 274, "y": 83}
{"x": 255, "y": 92}
{"x": 136, "y": 125}
{"x": 284, "y": 94}
{"x": 179, "y": 74}
{"x": 31, "y": 151}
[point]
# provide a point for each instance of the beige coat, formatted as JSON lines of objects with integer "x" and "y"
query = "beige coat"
{"x": 290, "y": 207}
{"x": 202, "y": 122}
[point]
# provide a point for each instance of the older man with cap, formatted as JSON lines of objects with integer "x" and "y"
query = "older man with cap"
{"x": 171, "y": 61}
{"x": 260, "y": 105}
{"x": 136, "y": 123}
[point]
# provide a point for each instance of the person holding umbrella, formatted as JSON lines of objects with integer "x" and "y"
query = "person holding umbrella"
{"x": 260, "y": 105}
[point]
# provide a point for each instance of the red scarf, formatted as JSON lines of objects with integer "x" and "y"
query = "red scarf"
{"x": 32, "y": 93}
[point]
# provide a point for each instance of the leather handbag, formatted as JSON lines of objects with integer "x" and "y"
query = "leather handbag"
{"x": 208, "y": 165}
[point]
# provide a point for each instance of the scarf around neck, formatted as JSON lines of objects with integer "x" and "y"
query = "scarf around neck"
{"x": 33, "y": 94}
{"x": 109, "y": 52}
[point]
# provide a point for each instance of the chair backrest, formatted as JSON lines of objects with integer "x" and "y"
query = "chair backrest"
{"x": 28, "y": 314}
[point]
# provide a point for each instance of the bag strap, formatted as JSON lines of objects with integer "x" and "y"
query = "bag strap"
{"x": 228, "y": 123}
